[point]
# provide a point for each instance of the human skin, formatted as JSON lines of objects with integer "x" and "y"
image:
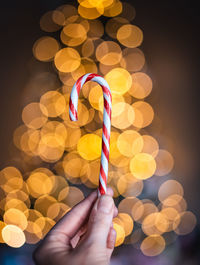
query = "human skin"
{"x": 84, "y": 236}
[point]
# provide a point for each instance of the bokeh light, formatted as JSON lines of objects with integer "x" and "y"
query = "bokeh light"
{"x": 143, "y": 166}
{"x": 60, "y": 159}
{"x": 13, "y": 236}
{"x": 45, "y": 49}
{"x": 130, "y": 36}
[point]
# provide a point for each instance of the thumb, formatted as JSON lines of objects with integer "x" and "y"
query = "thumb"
{"x": 100, "y": 221}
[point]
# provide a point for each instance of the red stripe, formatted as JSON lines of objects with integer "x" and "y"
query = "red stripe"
{"x": 101, "y": 189}
{"x": 105, "y": 150}
{"x": 107, "y": 92}
{"x": 73, "y": 110}
{"x": 90, "y": 77}
{"x": 78, "y": 84}
{"x": 105, "y": 132}
{"x": 107, "y": 108}
{"x": 103, "y": 175}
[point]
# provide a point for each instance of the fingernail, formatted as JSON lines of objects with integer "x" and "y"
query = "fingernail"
{"x": 105, "y": 204}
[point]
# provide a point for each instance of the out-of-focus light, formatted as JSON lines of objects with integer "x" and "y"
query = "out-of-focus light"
{"x": 123, "y": 115}
{"x": 45, "y": 224}
{"x": 143, "y": 166}
{"x": 164, "y": 161}
{"x": 91, "y": 12}
{"x": 87, "y": 48}
{"x": 130, "y": 143}
{"x": 87, "y": 66}
{"x": 153, "y": 245}
{"x": 128, "y": 185}
{"x": 128, "y": 11}
{"x": 58, "y": 17}
{"x": 141, "y": 85}
{"x": 33, "y": 117}
{"x": 51, "y": 147}
{"x": 150, "y": 145}
{"x": 184, "y": 223}
{"x": 47, "y": 22}
{"x": 40, "y": 183}
{"x": 13, "y": 236}
{"x": 129, "y": 205}
{"x": 119, "y": 81}
{"x": 108, "y": 53}
{"x": 168, "y": 188}
{"x": 127, "y": 222}
{"x": 43, "y": 202}
{"x": 45, "y": 49}
{"x": 74, "y": 196}
{"x": 89, "y": 146}
{"x": 73, "y": 34}
{"x": 57, "y": 210}
{"x": 114, "y": 24}
{"x": 15, "y": 217}
{"x": 114, "y": 10}
{"x": 16, "y": 204}
{"x": 68, "y": 11}
{"x": 67, "y": 60}
{"x": 2, "y": 225}
{"x": 132, "y": 59}
{"x": 96, "y": 30}
{"x": 52, "y": 103}
{"x": 120, "y": 234}
{"x": 142, "y": 209}
{"x": 155, "y": 223}
{"x": 74, "y": 135}
{"x": 144, "y": 114}
{"x": 130, "y": 36}
{"x": 10, "y": 179}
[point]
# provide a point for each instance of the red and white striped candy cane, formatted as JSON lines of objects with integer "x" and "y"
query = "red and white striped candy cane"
{"x": 73, "y": 103}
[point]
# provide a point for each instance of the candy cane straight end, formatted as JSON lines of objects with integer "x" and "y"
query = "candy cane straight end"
{"x": 73, "y": 105}
{"x": 72, "y": 111}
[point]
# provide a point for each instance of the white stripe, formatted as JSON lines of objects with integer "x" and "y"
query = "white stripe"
{"x": 108, "y": 99}
{"x": 84, "y": 78}
{"x": 102, "y": 182}
{"x": 74, "y": 97}
{"x": 101, "y": 81}
{"x": 106, "y": 121}
{"x": 104, "y": 163}
{"x": 105, "y": 141}
{"x": 73, "y": 118}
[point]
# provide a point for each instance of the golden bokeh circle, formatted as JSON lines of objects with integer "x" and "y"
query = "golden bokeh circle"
{"x": 13, "y": 236}
{"x": 89, "y": 146}
{"x": 130, "y": 36}
{"x": 45, "y": 49}
{"x": 67, "y": 60}
{"x": 153, "y": 245}
{"x": 119, "y": 80}
{"x": 143, "y": 166}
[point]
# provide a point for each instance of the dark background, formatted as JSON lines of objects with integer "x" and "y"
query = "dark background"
{"x": 171, "y": 46}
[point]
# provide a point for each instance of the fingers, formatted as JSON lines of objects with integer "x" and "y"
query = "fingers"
{"x": 100, "y": 221}
{"x": 111, "y": 238}
{"x": 110, "y": 192}
{"x": 70, "y": 223}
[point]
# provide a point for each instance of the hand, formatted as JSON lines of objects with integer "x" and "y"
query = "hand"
{"x": 84, "y": 236}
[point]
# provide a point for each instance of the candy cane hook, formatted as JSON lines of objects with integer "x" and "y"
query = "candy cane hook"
{"x": 73, "y": 104}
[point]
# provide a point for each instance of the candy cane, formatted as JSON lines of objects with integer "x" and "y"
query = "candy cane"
{"x": 73, "y": 103}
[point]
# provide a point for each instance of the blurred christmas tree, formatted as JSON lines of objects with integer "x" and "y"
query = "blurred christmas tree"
{"x": 59, "y": 160}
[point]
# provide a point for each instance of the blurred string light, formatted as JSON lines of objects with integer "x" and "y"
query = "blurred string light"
{"x": 33, "y": 202}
